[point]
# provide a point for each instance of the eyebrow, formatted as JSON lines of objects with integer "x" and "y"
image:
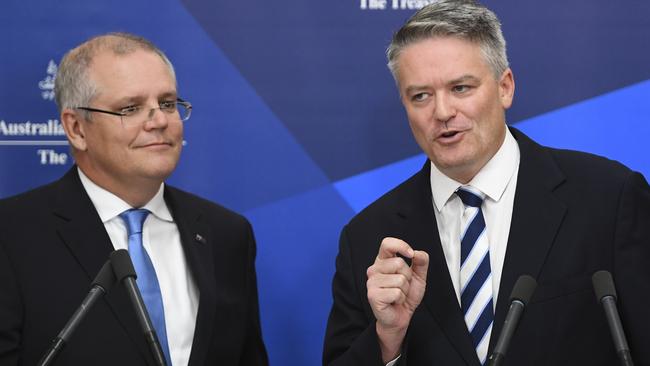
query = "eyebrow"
{"x": 459, "y": 80}
{"x": 139, "y": 98}
{"x": 464, "y": 79}
{"x": 414, "y": 88}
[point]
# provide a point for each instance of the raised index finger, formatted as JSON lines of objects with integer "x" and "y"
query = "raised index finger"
{"x": 390, "y": 247}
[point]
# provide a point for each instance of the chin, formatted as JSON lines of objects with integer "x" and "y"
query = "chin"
{"x": 160, "y": 172}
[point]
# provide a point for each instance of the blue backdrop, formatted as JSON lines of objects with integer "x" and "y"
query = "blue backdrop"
{"x": 297, "y": 123}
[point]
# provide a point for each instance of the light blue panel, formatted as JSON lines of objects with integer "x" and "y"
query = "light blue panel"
{"x": 361, "y": 190}
{"x": 615, "y": 125}
{"x": 297, "y": 244}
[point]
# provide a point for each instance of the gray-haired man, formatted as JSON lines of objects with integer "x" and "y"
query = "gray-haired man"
{"x": 487, "y": 207}
{"x": 195, "y": 260}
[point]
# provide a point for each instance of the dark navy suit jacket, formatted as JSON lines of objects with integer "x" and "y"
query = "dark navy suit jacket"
{"x": 53, "y": 243}
{"x": 574, "y": 214}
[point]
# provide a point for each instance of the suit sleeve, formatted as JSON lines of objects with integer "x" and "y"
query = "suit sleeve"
{"x": 350, "y": 337}
{"x": 254, "y": 352}
{"x": 11, "y": 311}
{"x": 632, "y": 265}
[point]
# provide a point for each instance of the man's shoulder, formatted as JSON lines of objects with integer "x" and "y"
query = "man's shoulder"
{"x": 37, "y": 196}
{"x": 395, "y": 200}
{"x": 573, "y": 165}
{"x": 189, "y": 202}
{"x": 583, "y": 163}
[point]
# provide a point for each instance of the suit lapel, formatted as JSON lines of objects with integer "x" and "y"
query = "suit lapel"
{"x": 83, "y": 233}
{"x": 197, "y": 243}
{"x": 536, "y": 218}
{"x": 421, "y": 232}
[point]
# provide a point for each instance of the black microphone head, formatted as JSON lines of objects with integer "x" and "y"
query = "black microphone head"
{"x": 523, "y": 289}
{"x": 603, "y": 285}
{"x": 105, "y": 277}
{"x": 122, "y": 264}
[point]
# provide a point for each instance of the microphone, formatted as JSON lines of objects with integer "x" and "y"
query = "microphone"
{"x": 521, "y": 294}
{"x": 124, "y": 271}
{"x": 606, "y": 295}
{"x": 101, "y": 285}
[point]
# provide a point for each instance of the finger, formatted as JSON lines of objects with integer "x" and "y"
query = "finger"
{"x": 420, "y": 264}
{"x": 389, "y": 281}
{"x": 385, "y": 296}
{"x": 391, "y": 246}
{"x": 390, "y": 266}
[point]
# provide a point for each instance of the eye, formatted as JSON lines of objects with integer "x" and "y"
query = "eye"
{"x": 419, "y": 97}
{"x": 460, "y": 89}
{"x": 168, "y": 105}
{"x": 130, "y": 110}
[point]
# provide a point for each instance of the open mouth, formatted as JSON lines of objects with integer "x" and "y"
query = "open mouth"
{"x": 449, "y": 134}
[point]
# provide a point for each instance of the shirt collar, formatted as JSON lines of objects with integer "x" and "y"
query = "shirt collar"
{"x": 492, "y": 179}
{"x": 109, "y": 205}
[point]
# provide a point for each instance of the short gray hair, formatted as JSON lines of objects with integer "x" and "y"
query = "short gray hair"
{"x": 465, "y": 19}
{"x": 73, "y": 87}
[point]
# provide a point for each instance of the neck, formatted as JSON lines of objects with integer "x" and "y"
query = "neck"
{"x": 136, "y": 192}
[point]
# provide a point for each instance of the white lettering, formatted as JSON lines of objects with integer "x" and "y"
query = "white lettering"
{"x": 51, "y": 157}
{"x": 50, "y": 128}
{"x": 373, "y": 4}
{"x": 410, "y": 4}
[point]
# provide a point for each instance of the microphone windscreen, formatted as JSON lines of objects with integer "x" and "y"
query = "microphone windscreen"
{"x": 122, "y": 265}
{"x": 523, "y": 289}
{"x": 105, "y": 277}
{"x": 603, "y": 285}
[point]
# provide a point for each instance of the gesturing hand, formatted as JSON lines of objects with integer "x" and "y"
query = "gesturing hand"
{"x": 394, "y": 292}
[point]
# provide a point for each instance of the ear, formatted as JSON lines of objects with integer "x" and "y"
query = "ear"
{"x": 506, "y": 88}
{"x": 74, "y": 129}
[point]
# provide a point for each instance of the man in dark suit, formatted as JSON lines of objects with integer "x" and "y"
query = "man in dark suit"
{"x": 489, "y": 205}
{"x": 195, "y": 259}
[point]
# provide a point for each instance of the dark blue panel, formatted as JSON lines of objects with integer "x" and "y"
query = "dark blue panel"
{"x": 320, "y": 65}
{"x": 562, "y": 52}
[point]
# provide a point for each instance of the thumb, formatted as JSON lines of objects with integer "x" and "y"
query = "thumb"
{"x": 420, "y": 264}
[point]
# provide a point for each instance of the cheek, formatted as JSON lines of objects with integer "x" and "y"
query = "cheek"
{"x": 418, "y": 121}
{"x": 175, "y": 131}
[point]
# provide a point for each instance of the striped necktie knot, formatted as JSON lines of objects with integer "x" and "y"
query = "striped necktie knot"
{"x": 469, "y": 198}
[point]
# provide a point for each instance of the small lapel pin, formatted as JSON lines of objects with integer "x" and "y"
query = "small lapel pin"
{"x": 200, "y": 238}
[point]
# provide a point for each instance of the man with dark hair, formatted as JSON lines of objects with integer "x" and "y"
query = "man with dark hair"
{"x": 488, "y": 206}
{"x": 123, "y": 119}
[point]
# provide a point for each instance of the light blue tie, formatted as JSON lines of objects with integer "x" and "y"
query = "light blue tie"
{"x": 475, "y": 273}
{"x": 147, "y": 279}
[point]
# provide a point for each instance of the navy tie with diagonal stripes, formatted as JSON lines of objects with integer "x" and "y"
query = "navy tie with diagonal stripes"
{"x": 475, "y": 273}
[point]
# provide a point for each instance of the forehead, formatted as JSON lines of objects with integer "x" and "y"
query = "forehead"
{"x": 441, "y": 57}
{"x": 136, "y": 73}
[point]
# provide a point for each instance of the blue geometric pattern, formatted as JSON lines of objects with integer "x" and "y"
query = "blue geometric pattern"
{"x": 297, "y": 123}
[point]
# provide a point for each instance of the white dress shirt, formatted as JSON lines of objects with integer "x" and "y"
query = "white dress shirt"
{"x": 498, "y": 181}
{"x": 162, "y": 242}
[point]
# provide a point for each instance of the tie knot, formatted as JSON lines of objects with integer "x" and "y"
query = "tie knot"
{"x": 134, "y": 218}
{"x": 469, "y": 198}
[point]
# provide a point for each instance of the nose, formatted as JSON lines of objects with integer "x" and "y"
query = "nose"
{"x": 155, "y": 119}
{"x": 444, "y": 110}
